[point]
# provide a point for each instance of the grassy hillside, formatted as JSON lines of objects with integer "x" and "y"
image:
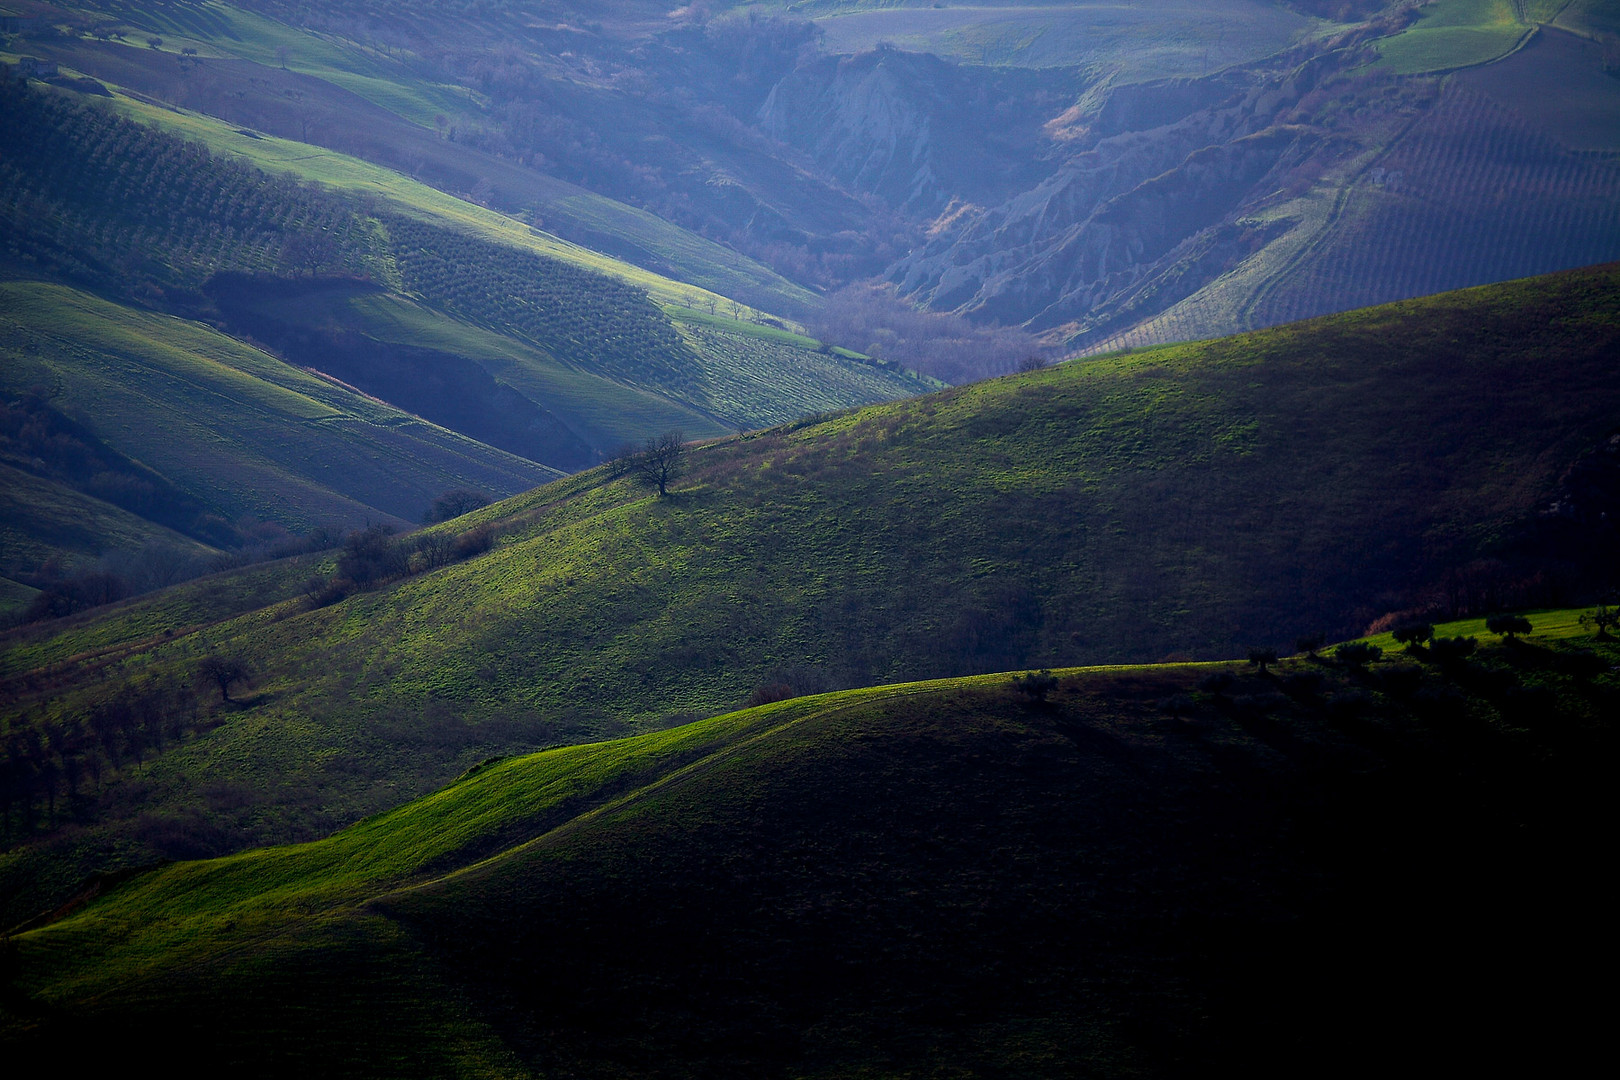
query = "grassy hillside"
{"x": 1462, "y": 33}
{"x": 1139, "y": 41}
{"x": 1153, "y": 872}
{"x": 590, "y": 360}
{"x": 234, "y": 427}
{"x": 1197, "y": 500}
{"x": 343, "y": 107}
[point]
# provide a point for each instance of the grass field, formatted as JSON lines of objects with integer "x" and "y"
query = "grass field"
{"x": 1136, "y": 40}
{"x": 1454, "y": 34}
{"x": 243, "y": 431}
{"x": 1150, "y": 867}
{"x": 1196, "y": 501}
{"x": 44, "y": 520}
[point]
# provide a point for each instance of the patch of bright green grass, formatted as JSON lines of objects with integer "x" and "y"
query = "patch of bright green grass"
{"x": 1455, "y": 34}
{"x": 1549, "y": 625}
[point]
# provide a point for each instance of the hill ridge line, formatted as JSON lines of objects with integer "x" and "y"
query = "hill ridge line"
{"x": 675, "y": 776}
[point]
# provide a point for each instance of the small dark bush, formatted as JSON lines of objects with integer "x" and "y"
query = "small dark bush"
{"x": 1583, "y": 664}
{"x": 1036, "y": 685}
{"x": 1217, "y": 682}
{"x": 1177, "y": 705}
{"x": 452, "y": 504}
{"x": 1402, "y": 681}
{"x": 1303, "y": 684}
{"x": 1349, "y": 703}
{"x": 475, "y": 542}
{"x": 1452, "y": 650}
{"x": 1508, "y": 625}
{"x": 371, "y": 556}
{"x": 769, "y": 692}
{"x": 1358, "y": 654}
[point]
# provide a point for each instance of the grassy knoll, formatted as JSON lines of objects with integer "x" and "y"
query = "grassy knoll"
{"x": 1154, "y": 871}
{"x": 1462, "y": 33}
{"x": 243, "y": 431}
{"x": 1195, "y": 500}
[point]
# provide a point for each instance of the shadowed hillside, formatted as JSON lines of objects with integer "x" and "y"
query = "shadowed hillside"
{"x": 1152, "y": 872}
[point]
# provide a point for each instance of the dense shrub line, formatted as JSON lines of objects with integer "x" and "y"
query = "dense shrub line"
{"x": 49, "y": 772}
{"x": 372, "y": 557}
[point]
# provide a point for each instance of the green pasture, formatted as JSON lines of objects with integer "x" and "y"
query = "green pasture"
{"x": 1454, "y": 34}
{"x": 240, "y": 429}
{"x": 1137, "y": 41}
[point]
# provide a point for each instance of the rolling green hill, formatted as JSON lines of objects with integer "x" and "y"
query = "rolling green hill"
{"x": 1193, "y": 501}
{"x": 1153, "y": 872}
{"x": 231, "y": 426}
{"x": 589, "y": 360}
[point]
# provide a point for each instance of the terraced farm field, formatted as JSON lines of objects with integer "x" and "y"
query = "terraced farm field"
{"x": 1426, "y": 218}
{"x": 702, "y": 266}
{"x": 761, "y": 379}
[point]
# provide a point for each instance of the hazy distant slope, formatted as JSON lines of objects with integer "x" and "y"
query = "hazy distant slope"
{"x": 139, "y": 213}
{"x": 236, "y": 428}
{"x": 1196, "y": 500}
{"x": 1428, "y": 215}
{"x": 908, "y": 880}
{"x": 337, "y": 93}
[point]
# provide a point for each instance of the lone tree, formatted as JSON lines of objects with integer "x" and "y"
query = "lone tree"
{"x": 223, "y": 671}
{"x": 1413, "y": 635}
{"x": 1262, "y": 658}
{"x": 1508, "y": 625}
{"x": 1309, "y": 643}
{"x": 656, "y": 463}
{"x": 1602, "y": 618}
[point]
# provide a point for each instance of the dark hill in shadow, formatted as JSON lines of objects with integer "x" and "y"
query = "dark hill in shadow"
{"x": 450, "y": 390}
